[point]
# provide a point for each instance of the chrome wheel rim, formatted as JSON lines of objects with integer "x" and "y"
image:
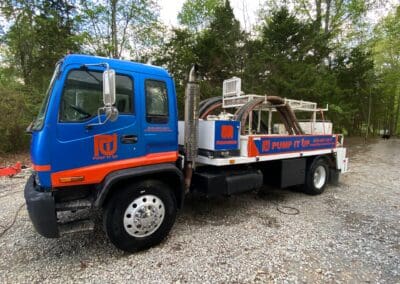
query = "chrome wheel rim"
{"x": 319, "y": 177}
{"x": 144, "y": 216}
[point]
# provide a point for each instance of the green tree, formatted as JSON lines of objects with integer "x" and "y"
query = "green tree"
{"x": 328, "y": 16}
{"x": 355, "y": 79}
{"x": 121, "y": 28}
{"x": 339, "y": 23}
{"x": 178, "y": 55}
{"x": 40, "y": 34}
{"x": 284, "y": 61}
{"x": 386, "y": 48}
{"x": 218, "y": 49}
{"x": 198, "y": 14}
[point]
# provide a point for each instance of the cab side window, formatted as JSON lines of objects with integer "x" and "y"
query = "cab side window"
{"x": 156, "y": 101}
{"x": 83, "y": 92}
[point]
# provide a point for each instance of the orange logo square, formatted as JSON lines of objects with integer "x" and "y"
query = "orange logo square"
{"x": 227, "y": 132}
{"x": 105, "y": 145}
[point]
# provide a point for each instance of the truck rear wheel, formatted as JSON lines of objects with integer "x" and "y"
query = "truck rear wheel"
{"x": 317, "y": 177}
{"x": 140, "y": 215}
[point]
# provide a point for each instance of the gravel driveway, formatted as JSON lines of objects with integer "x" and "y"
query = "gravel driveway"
{"x": 348, "y": 234}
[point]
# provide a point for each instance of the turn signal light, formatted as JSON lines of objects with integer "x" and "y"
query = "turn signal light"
{"x": 71, "y": 179}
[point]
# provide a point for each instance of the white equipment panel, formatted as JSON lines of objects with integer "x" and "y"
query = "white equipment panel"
{"x": 318, "y": 127}
{"x": 214, "y": 135}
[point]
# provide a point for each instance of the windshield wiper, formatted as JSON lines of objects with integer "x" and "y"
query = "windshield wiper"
{"x": 86, "y": 69}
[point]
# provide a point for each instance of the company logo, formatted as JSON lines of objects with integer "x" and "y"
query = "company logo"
{"x": 227, "y": 139}
{"x": 227, "y": 131}
{"x": 266, "y": 145}
{"x": 105, "y": 146}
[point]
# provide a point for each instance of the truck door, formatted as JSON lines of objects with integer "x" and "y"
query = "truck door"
{"x": 87, "y": 153}
{"x": 160, "y": 117}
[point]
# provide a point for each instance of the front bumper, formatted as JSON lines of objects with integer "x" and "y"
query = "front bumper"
{"x": 41, "y": 209}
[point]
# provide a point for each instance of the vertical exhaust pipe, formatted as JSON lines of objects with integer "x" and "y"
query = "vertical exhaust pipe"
{"x": 192, "y": 97}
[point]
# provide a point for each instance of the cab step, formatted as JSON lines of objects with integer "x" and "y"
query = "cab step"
{"x": 74, "y": 205}
{"x": 76, "y": 226}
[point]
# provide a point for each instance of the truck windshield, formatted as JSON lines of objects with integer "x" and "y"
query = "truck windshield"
{"x": 38, "y": 122}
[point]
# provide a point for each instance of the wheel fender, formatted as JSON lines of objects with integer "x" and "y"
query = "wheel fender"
{"x": 104, "y": 189}
{"x": 314, "y": 159}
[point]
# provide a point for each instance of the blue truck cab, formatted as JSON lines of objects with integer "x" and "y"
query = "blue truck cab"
{"x": 78, "y": 154}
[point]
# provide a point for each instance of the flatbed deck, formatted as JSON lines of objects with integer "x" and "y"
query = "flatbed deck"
{"x": 262, "y": 148}
{"x": 262, "y": 158}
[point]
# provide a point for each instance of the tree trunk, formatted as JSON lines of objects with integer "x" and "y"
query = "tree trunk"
{"x": 318, "y": 19}
{"x": 396, "y": 119}
{"x": 369, "y": 113}
{"x": 327, "y": 15}
{"x": 391, "y": 114}
{"x": 114, "y": 43}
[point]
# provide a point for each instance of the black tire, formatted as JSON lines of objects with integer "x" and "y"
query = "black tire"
{"x": 124, "y": 200}
{"x": 317, "y": 177}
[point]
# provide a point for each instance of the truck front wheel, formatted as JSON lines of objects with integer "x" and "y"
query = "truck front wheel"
{"x": 140, "y": 215}
{"x": 317, "y": 177}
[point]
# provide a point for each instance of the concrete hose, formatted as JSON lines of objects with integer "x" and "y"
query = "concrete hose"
{"x": 287, "y": 115}
{"x": 209, "y": 105}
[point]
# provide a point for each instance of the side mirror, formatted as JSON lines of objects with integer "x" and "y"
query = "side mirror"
{"x": 109, "y": 87}
{"x": 111, "y": 113}
{"x": 109, "y": 97}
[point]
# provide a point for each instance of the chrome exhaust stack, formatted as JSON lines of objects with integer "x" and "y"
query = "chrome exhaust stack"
{"x": 192, "y": 98}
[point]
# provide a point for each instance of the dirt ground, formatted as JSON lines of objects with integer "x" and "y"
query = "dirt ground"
{"x": 349, "y": 234}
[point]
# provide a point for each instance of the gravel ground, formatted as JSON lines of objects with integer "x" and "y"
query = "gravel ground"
{"x": 348, "y": 234}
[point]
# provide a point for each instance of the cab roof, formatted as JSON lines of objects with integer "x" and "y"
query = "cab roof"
{"x": 116, "y": 64}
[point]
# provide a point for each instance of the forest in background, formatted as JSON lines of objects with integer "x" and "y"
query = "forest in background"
{"x": 328, "y": 51}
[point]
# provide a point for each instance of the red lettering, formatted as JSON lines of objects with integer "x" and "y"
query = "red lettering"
{"x": 282, "y": 145}
{"x": 305, "y": 143}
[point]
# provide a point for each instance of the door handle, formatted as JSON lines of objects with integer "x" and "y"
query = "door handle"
{"x": 129, "y": 139}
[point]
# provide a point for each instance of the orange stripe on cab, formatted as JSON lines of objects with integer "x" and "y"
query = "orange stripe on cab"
{"x": 41, "y": 168}
{"x": 96, "y": 173}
